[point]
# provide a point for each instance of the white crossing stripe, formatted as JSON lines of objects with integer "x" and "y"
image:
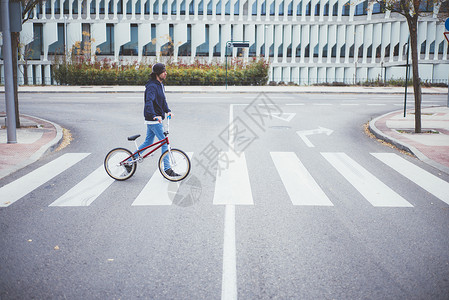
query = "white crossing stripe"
{"x": 300, "y": 185}
{"x": 374, "y": 190}
{"x": 232, "y": 185}
{"x": 431, "y": 183}
{"x": 15, "y": 190}
{"x": 85, "y": 192}
{"x": 158, "y": 190}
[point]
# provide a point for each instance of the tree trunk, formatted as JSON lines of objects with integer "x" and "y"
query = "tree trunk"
{"x": 413, "y": 28}
{"x": 15, "y": 50}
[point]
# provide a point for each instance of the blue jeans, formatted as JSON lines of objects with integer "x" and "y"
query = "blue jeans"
{"x": 158, "y": 131}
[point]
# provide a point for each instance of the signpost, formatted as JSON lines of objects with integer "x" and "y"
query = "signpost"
{"x": 446, "y": 35}
{"x": 9, "y": 16}
{"x": 232, "y": 44}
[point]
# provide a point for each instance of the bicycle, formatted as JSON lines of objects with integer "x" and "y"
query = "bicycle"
{"x": 121, "y": 163}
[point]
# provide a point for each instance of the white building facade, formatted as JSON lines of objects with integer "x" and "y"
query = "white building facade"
{"x": 306, "y": 41}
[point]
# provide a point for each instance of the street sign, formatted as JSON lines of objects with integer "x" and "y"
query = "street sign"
{"x": 243, "y": 44}
{"x": 446, "y": 24}
{"x": 446, "y": 35}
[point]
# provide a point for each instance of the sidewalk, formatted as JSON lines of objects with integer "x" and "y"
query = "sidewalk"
{"x": 229, "y": 89}
{"x": 34, "y": 139}
{"x": 431, "y": 146}
{"x": 40, "y": 136}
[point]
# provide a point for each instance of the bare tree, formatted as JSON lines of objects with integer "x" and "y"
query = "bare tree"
{"x": 27, "y": 6}
{"x": 412, "y": 10}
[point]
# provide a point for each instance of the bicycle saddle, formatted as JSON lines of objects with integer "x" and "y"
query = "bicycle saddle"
{"x": 133, "y": 137}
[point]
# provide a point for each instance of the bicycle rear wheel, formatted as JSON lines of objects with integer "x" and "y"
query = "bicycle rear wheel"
{"x": 115, "y": 167}
{"x": 179, "y": 165}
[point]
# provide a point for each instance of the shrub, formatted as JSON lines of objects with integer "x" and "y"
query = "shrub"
{"x": 104, "y": 72}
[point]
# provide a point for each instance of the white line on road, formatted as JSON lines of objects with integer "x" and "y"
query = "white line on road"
{"x": 300, "y": 185}
{"x": 434, "y": 185}
{"x": 229, "y": 279}
{"x": 74, "y": 97}
{"x": 232, "y": 185}
{"x": 85, "y": 192}
{"x": 374, "y": 190}
{"x": 158, "y": 190}
{"x": 15, "y": 190}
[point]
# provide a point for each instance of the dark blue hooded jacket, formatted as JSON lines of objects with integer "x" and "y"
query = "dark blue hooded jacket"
{"x": 155, "y": 101}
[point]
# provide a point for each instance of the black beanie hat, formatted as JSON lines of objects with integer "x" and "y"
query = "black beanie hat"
{"x": 158, "y": 68}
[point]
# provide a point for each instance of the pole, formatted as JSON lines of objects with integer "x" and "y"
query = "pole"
{"x": 226, "y": 55}
{"x": 9, "y": 82}
{"x": 406, "y": 77}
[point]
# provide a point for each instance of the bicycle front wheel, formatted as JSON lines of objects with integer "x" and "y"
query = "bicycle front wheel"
{"x": 174, "y": 165}
{"x": 116, "y": 167}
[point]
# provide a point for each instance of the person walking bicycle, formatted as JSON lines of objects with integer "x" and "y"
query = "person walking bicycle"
{"x": 155, "y": 109}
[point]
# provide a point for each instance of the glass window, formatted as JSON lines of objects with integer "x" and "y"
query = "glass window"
{"x": 136, "y": 7}
{"x": 217, "y": 47}
{"x": 191, "y": 8}
{"x": 155, "y": 7}
{"x": 165, "y": 7}
{"x": 150, "y": 48}
{"x": 345, "y": 9}
{"x": 183, "y": 7}
{"x": 426, "y": 6}
{"x": 35, "y": 48}
{"x": 131, "y": 47}
{"x": 326, "y": 9}
{"x": 361, "y": 9}
{"x": 129, "y": 6}
{"x": 308, "y": 6}
{"x": 107, "y": 48}
{"x": 377, "y": 8}
{"x": 185, "y": 49}
{"x": 237, "y": 7}
{"x": 218, "y": 8}
{"x": 173, "y": 7}
{"x": 299, "y": 9}
{"x": 423, "y": 48}
{"x": 203, "y": 49}
{"x": 58, "y": 47}
{"x": 119, "y": 6}
{"x": 209, "y": 7}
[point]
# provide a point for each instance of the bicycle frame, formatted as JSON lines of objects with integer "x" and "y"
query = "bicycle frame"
{"x": 158, "y": 145}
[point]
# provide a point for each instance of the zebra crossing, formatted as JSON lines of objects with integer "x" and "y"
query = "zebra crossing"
{"x": 232, "y": 184}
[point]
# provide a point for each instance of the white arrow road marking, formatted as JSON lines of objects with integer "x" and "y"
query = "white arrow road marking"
{"x": 303, "y": 134}
{"x": 287, "y": 117}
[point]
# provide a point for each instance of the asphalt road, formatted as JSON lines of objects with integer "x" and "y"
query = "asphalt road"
{"x": 286, "y": 200}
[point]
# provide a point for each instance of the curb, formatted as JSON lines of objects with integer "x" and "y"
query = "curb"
{"x": 404, "y": 146}
{"x": 49, "y": 147}
{"x": 53, "y": 144}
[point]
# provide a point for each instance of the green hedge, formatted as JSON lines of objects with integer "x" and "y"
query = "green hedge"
{"x": 104, "y": 72}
